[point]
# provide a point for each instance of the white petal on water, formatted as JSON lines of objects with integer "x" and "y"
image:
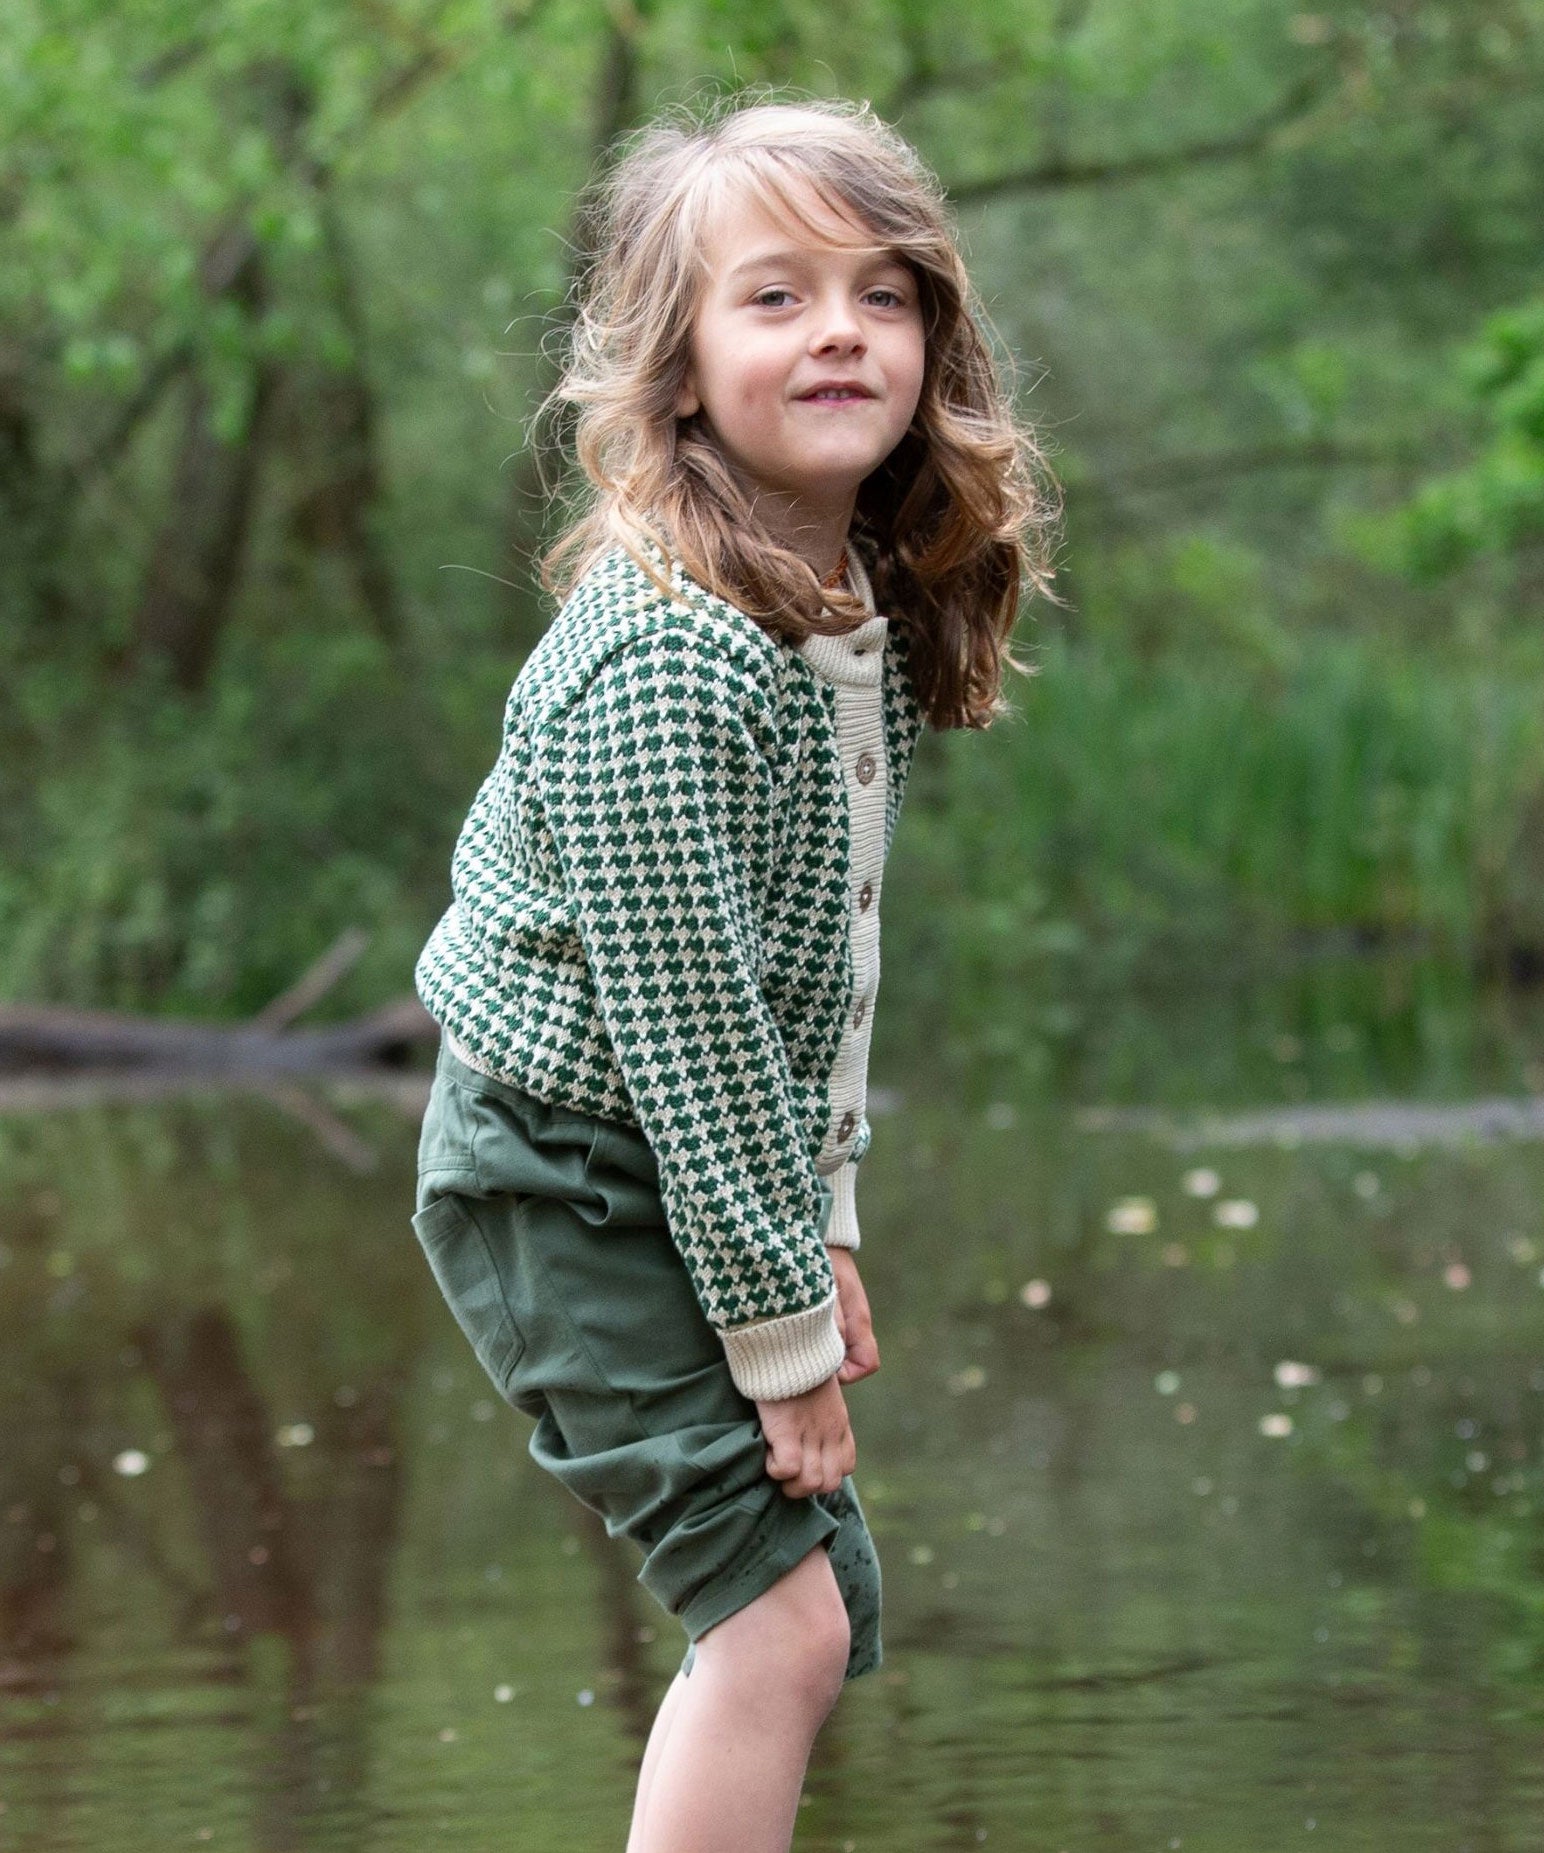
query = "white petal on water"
{"x": 1294, "y": 1376}
{"x": 1236, "y": 1213}
{"x": 1132, "y": 1216}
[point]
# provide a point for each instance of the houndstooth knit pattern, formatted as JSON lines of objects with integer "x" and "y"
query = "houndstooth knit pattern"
{"x": 651, "y": 922}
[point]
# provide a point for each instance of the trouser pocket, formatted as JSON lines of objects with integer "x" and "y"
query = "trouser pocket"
{"x": 464, "y": 1265}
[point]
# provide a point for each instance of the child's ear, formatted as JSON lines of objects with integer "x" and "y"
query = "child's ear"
{"x": 687, "y": 401}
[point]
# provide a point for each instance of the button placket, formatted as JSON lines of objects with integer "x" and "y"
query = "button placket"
{"x": 854, "y": 666}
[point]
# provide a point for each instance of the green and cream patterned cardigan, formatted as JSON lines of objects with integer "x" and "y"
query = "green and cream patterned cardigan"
{"x": 666, "y": 912}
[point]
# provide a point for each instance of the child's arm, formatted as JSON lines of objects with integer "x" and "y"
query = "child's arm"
{"x": 661, "y": 800}
{"x": 853, "y": 1316}
{"x": 810, "y": 1443}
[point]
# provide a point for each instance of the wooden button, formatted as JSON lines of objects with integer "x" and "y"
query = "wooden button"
{"x": 857, "y": 1015}
{"x": 865, "y": 895}
{"x": 849, "y": 1120}
{"x": 866, "y": 768}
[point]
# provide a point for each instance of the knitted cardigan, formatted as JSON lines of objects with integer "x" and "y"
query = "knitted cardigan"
{"x": 665, "y": 912}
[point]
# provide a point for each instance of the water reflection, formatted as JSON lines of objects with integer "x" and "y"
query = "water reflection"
{"x": 1202, "y": 1526}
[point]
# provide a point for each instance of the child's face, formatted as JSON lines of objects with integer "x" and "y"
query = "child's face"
{"x": 806, "y": 357}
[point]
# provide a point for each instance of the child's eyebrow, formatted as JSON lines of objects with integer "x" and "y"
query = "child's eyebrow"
{"x": 877, "y": 255}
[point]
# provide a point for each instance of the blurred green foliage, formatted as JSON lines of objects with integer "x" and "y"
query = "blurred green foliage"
{"x": 275, "y": 282}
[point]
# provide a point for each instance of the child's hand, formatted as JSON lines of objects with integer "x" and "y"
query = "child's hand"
{"x": 852, "y": 1318}
{"x": 810, "y": 1446}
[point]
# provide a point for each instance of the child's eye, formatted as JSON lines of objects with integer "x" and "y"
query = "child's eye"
{"x": 895, "y": 300}
{"x": 763, "y": 298}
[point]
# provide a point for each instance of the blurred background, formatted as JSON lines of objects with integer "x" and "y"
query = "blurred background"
{"x": 1202, "y": 1224}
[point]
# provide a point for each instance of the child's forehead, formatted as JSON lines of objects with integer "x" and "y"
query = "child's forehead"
{"x": 745, "y": 213}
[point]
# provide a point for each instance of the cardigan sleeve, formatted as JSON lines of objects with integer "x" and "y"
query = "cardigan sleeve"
{"x": 661, "y": 805}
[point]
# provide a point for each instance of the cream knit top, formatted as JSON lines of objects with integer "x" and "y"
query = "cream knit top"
{"x": 854, "y": 665}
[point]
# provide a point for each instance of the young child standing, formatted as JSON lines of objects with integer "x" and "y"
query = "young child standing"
{"x": 812, "y": 518}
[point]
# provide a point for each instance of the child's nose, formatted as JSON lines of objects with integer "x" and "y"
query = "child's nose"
{"x": 840, "y": 332}
{"x": 839, "y": 327}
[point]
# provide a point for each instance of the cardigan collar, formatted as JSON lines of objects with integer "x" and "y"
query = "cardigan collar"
{"x": 856, "y": 657}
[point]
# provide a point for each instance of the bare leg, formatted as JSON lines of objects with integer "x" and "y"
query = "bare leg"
{"x": 729, "y": 1773}
{"x": 668, "y": 1707}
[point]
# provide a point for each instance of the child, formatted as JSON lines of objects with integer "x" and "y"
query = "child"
{"x": 811, "y": 520}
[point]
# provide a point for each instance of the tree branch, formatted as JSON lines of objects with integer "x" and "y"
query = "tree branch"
{"x": 1254, "y": 460}
{"x": 1059, "y": 174}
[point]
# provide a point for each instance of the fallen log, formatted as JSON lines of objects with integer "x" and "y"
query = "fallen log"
{"x": 44, "y": 1037}
{"x": 47, "y": 1038}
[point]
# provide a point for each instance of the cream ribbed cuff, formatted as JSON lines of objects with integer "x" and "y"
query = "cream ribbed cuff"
{"x": 785, "y": 1357}
{"x": 842, "y": 1229}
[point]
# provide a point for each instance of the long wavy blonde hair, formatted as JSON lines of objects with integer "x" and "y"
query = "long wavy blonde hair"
{"x": 956, "y": 525}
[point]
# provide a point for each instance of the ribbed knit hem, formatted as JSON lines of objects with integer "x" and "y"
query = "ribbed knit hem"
{"x": 842, "y": 1229}
{"x": 785, "y": 1357}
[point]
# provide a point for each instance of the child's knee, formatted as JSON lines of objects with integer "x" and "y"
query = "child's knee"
{"x": 796, "y": 1634}
{"x": 824, "y": 1627}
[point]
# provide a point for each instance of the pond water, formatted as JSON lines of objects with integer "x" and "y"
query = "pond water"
{"x": 1204, "y": 1464}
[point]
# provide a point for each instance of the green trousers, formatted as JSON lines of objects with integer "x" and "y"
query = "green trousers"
{"x": 545, "y": 1231}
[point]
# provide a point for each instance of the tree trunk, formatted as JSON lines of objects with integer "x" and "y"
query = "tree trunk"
{"x": 340, "y": 511}
{"x": 195, "y": 564}
{"x": 33, "y": 510}
{"x": 615, "y": 109}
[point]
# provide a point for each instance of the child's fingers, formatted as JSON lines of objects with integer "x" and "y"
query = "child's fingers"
{"x": 861, "y": 1361}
